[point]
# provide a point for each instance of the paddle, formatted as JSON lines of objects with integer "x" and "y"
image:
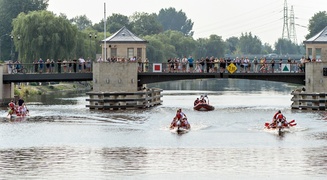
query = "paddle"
{"x": 291, "y": 123}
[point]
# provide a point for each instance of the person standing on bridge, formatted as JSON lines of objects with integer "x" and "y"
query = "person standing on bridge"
{"x": 190, "y": 63}
{"x": 52, "y": 66}
{"x": 59, "y": 65}
{"x": 41, "y": 65}
{"x": 36, "y": 66}
{"x": 184, "y": 62}
{"x": 272, "y": 62}
{"x": 255, "y": 65}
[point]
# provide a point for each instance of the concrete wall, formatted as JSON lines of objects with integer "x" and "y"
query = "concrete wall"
{"x": 6, "y": 90}
{"x": 115, "y": 77}
{"x": 314, "y": 79}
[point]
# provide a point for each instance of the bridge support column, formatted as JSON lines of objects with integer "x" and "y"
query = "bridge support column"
{"x": 6, "y": 90}
{"x": 115, "y": 86}
{"x": 314, "y": 95}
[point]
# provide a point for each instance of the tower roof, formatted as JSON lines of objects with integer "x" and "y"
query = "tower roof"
{"x": 123, "y": 35}
{"x": 320, "y": 38}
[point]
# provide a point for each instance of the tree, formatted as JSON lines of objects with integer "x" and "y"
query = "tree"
{"x": 184, "y": 45}
{"x": 82, "y": 22}
{"x": 116, "y": 22}
{"x": 317, "y": 23}
{"x": 159, "y": 48}
{"x": 285, "y": 46}
{"x": 215, "y": 46}
{"x": 173, "y": 20}
{"x": 9, "y": 9}
{"x": 113, "y": 23}
{"x": 266, "y": 49}
{"x": 145, "y": 24}
{"x": 250, "y": 44}
{"x": 154, "y": 50}
{"x": 231, "y": 44}
{"x": 42, "y": 34}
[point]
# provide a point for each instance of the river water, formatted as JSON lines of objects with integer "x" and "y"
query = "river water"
{"x": 62, "y": 139}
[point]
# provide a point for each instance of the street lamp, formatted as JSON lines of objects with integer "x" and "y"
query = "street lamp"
{"x": 12, "y": 46}
{"x": 95, "y": 46}
{"x": 90, "y": 35}
{"x": 95, "y": 37}
{"x": 12, "y": 53}
{"x": 18, "y": 37}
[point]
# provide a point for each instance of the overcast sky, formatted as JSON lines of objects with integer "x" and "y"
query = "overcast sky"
{"x": 225, "y": 18}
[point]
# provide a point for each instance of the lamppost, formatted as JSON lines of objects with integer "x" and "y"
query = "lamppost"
{"x": 90, "y": 35}
{"x": 18, "y": 37}
{"x": 0, "y": 45}
{"x": 95, "y": 37}
{"x": 95, "y": 46}
{"x": 12, "y": 53}
{"x": 12, "y": 46}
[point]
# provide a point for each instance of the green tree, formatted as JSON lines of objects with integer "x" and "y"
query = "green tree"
{"x": 231, "y": 45}
{"x": 42, "y": 34}
{"x": 266, "y": 49}
{"x": 82, "y": 22}
{"x": 145, "y": 24}
{"x": 155, "y": 50}
{"x": 113, "y": 23}
{"x": 184, "y": 45}
{"x": 9, "y": 9}
{"x": 116, "y": 22}
{"x": 317, "y": 23}
{"x": 215, "y": 46}
{"x": 173, "y": 20}
{"x": 285, "y": 46}
{"x": 159, "y": 48}
{"x": 250, "y": 44}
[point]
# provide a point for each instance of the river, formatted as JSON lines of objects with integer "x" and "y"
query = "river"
{"x": 62, "y": 139}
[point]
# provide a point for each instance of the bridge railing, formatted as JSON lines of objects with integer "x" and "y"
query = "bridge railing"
{"x": 216, "y": 67}
{"x": 222, "y": 67}
{"x": 55, "y": 67}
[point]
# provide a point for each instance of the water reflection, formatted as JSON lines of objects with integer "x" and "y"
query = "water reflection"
{"x": 55, "y": 98}
{"x": 227, "y": 85}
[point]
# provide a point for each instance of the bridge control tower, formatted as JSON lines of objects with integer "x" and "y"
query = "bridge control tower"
{"x": 314, "y": 95}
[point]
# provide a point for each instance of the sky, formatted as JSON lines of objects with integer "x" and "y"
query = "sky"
{"x": 225, "y": 18}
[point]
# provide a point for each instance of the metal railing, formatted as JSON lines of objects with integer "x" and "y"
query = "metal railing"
{"x": 76, "y": 67}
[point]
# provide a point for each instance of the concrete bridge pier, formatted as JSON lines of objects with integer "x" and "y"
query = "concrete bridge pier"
{"x": 115, "y": 86}
{"x": 6, "y": 90}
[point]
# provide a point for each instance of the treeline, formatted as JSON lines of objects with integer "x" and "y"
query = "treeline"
{"x": 29, "y": 32}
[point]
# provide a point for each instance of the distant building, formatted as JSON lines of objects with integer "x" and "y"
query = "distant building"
{"x": 124, "y": 44}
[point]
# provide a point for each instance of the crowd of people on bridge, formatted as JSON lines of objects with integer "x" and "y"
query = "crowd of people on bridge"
{"x": 242, "y": 64}
{"x": 185, "y": 64}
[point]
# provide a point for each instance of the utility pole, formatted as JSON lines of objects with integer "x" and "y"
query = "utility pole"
{"x": 285, "y": 34}
{"x": 292, "y": 27}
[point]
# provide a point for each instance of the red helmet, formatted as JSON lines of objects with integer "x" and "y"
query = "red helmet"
{"x": 280, "y": 116}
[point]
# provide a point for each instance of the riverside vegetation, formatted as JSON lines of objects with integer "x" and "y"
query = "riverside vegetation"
{"x": 32, "y": 89}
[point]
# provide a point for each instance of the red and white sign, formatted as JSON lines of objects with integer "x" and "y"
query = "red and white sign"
{"x": 157, "y": 67}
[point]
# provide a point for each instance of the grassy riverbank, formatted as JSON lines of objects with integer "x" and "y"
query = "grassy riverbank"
{"x": 24, "y": 90}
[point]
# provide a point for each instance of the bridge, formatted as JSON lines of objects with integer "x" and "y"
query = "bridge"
{"x": 148, "y": 76}
{"x": 142, "y": 73}
{"x": 153, "y": 77}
